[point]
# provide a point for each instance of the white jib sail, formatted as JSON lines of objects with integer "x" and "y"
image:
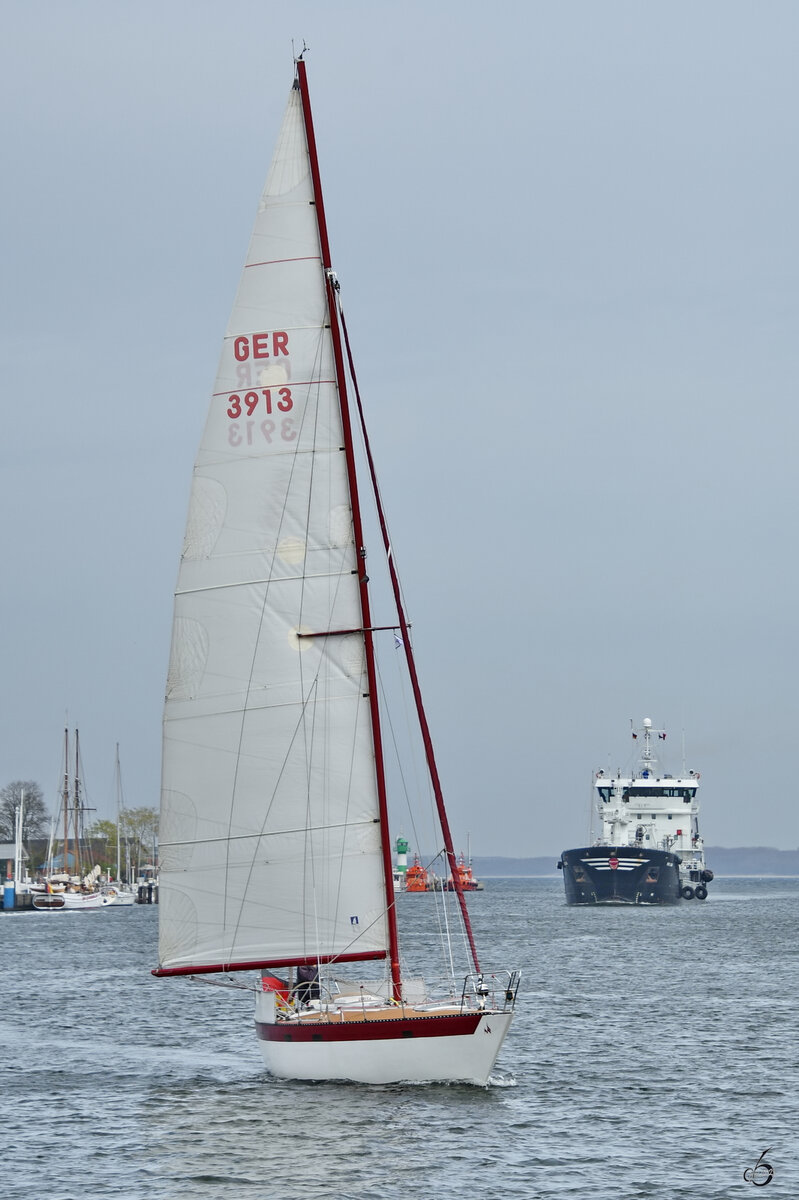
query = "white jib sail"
{"x": 269, "y": 841}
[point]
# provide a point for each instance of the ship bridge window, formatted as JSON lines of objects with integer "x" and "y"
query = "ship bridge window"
{"x": 604, "y": 793}
{"x": 659, "y": 793}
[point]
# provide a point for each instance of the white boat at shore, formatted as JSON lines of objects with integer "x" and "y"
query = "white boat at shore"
{"x": 71, "y": 901}
{"x": 121, "y": 896}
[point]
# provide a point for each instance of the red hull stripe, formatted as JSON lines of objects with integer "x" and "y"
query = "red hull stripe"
{"x": 459, "y": 1025}
{"x": 227, "y": 968}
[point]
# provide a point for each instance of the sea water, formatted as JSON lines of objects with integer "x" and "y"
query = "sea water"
{"x": 653, "y": 1054}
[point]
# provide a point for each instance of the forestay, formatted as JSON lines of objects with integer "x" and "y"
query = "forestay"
{"x": 269, "y": 846}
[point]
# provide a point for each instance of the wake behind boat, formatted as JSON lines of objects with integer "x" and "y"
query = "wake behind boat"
{"x": 649, "y": 850}
{"x": 275, "y": 831}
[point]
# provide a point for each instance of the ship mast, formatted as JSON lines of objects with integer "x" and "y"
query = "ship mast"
{"x": 76, "y": 804}
{"x": 646, "y": 754}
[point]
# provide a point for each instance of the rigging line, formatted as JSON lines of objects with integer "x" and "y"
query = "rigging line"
{"x": 362, "y": 931}
{"x": 262, "y": 834}
{"x": 438, "y": 900}
{"x": 445, "y": 911}
{"x": 428, "y": 789}
{"x": 397, "y": 756}
{"x": 353, "y": 745}
{"x": 335, "y": 958}
{"x": 245, "y": 707}
{"x": 337, "y": 576}
{"x": 386, "y": 713}
{"x": 311, "y": 740}
{"x": 441, "y": 900}
{"x": 395, "y": 584}
{"x": 393, "y": 903}
{"x": 442, "y": 915}
{"x": 445, "y": 942}
{"x": 308, "y": 863}
{"x": 406, "y": 710}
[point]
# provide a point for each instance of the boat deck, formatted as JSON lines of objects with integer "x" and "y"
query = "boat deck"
{"x": 387, "y": 1012}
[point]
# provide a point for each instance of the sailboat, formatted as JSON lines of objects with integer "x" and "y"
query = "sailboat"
{"x": 275, "y": 847}
{"x": 121, "y": 894}
{"x": 66, "y": 890}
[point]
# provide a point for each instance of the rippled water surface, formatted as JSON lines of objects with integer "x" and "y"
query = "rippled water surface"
{"x": 654, "y": 1053}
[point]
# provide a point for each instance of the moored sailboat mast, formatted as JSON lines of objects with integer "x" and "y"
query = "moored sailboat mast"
{"x": 65, "y": 803}
{"x": 76, "y": 803}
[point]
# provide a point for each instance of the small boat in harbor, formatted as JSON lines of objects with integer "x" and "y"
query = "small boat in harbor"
{"x": 71, "y": 901}
{"x": 466, "y": 876}
{"x": 68, "y": 883}
{"x": 275, "y": 841}
{"x": 118, "y": 894}
{"x": 649, "y": 850}
{"x": 417, "y": 878}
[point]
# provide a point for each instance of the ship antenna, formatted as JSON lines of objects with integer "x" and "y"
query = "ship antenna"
{"x": 647, "y": 753}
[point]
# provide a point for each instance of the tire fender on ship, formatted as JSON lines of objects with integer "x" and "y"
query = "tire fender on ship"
{"x": 687, "y": 893}
{"x": 700, "y": 892}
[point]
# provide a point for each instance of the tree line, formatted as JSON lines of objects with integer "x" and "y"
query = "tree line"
{"x": 136, "y": 837}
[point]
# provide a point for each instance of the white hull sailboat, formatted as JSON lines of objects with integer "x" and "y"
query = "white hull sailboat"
{"x": 71, "y": 901}
{"x": 275, "y": 841}
{"x": 383, "y": 1043}
{"x": 119, "y": 896}
{"x": 62, "y": 890}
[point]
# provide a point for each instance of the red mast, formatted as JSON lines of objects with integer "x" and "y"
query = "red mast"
{"x": 331, "y": 288}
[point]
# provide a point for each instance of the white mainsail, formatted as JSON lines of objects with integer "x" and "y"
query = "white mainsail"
{"x": 270, "y": 840}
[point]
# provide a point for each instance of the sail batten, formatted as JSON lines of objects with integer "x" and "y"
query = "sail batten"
{"x": 233, "y": 837}
{"x": 274, "y": 581}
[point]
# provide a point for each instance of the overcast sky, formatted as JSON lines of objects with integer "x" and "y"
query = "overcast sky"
{"x": 566, "y": 235}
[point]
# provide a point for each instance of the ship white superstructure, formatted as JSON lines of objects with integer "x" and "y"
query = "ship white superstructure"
{"x": 652, "y": 810}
